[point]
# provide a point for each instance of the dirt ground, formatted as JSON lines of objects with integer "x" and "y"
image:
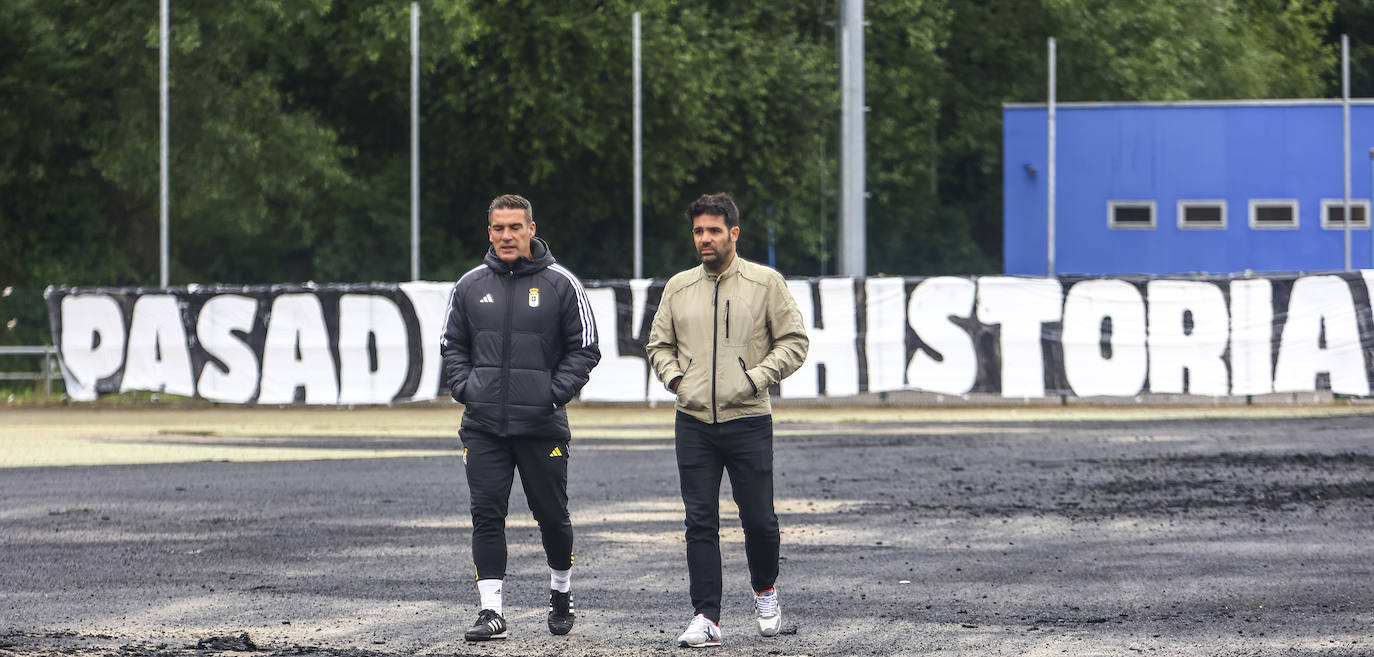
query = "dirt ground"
{"x": 144, "y": 532}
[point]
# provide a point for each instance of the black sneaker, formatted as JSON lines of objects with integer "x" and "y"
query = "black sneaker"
{"x": 561, "y": 614}
{"x": 489, "y": 625}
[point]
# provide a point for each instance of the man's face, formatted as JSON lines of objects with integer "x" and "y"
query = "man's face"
{"x": 715, "y": 243}
{"x": 510, "y": 233}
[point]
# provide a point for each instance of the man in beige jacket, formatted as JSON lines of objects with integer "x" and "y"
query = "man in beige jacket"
{"x": 723, "y": 333}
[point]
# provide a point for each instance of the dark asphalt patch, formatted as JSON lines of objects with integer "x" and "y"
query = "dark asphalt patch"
{"x": 1215, "y": 537}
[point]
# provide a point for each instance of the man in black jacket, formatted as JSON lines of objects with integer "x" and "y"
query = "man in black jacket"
{"x": 519, "y": 344}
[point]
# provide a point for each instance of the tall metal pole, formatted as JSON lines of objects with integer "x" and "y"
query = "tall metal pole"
{"x": 1345, "y": 117}
{"x": 853, "y": 222}
{"x": 162, "y": 136}
{"x": 825, "y": 175}
{"x": 414, "y": 141}
{"x": 639, "y": 158}
{"x": 1049, "y": 215}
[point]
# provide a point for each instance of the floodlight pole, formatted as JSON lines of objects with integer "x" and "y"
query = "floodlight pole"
{"x": 1345, "y": 143}
{"x": 162, "y": 143}
{"x": 1049, "y": 203}
{"x": 853, "y": 220}
{"x": 638, "y": 157}
{"x": 414, "y": 141}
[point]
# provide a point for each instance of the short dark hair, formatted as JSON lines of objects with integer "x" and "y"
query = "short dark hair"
{"x": 511, "y": 202}
{"x": 718, "y": 204}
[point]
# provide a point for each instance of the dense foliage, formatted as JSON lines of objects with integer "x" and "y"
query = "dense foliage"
{"x": 290, "y": 126}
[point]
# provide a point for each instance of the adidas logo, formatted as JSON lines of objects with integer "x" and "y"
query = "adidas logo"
{"x": 486, "y": 299}
{"x": 556, "y": 452}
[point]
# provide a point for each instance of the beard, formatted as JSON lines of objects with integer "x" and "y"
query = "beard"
{"x": 718, "y": 256}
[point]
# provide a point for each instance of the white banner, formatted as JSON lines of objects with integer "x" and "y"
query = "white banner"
{"x": 1019, "y": 337}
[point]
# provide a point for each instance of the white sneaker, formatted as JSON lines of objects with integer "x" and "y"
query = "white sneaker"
{"x": 701, "y": 633}
{"x": 769, "y": 612}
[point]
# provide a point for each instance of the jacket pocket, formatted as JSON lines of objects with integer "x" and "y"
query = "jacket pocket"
{"x": 739, "y": 324}
{"x": 532, "y": 389}
{"x": 694, "y": 390}
{"x": 734, "y": 388}
{"x": 745, "y": 369}
{"x": 457, "y": 391}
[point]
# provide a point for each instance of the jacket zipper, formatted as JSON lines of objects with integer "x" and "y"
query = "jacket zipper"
{"x": 505, "y": 354}
{"x": 715, "y": 339}
{"x": 727, "y": 319}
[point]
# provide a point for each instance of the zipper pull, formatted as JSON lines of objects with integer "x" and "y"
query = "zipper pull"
{"x": 727, "y": 318}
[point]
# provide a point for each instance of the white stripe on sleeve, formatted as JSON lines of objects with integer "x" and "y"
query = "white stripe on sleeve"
{"x": 448, "y": 312}
{"x": 584, "y": 307}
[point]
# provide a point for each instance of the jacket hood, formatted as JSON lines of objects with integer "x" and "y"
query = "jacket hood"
{"x": 540, "y": 258}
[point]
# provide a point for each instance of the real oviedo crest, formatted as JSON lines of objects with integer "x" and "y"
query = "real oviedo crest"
{"x": 534, "y": 297}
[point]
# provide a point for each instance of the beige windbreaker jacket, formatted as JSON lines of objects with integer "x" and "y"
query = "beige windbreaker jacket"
{"x": 729, "y": 337}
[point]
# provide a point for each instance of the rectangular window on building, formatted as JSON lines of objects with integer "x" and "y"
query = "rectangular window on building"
{"x": 1131, "y": 214}
{"x": 1274, "y": 213}
{"x": 1202, "y": 214}
{"x": 1333, "y": 214}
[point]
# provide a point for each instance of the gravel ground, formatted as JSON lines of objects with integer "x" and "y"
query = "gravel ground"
{"x": 1214, "y": 536}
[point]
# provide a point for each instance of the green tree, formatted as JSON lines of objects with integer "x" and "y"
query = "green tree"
{"x": 290, "y": 125}
{"x": 1354, "y": 18}
{"x": 969, "y": 57}
{"x": 733, "y": 101}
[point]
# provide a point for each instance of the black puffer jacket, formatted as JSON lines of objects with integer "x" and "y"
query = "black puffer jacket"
{"x": 519, "y": 343}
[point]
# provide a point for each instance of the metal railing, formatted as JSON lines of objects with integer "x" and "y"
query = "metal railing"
{"x": 47, "y": 371}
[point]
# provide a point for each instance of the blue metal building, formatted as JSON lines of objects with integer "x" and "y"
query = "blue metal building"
{"x": 1166, "y": 188}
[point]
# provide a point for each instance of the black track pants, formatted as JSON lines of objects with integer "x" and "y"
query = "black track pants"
{"x": 491, "y": 463}
{"x": 743, "y": 448}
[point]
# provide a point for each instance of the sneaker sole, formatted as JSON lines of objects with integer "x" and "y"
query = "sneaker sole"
{"x": 560, "y": 631}
{"x": 484, "y": 638}
{"x": 708, "y": 644}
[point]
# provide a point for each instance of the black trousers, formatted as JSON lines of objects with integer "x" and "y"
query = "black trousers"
{"x": 491, "y": 463}
{"x": 744, "y": 449}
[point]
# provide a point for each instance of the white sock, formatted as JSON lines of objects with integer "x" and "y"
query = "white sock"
{"x": 560, "y": 580}
{"x": 491, "y": 594}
